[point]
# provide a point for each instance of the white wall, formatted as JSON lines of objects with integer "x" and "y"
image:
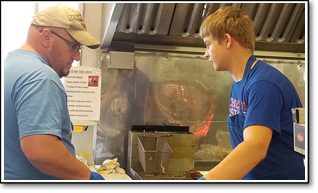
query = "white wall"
{"x": 15, "y": 20}
{"x": 92, "y": 16}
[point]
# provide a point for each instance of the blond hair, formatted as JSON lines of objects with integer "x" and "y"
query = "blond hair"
{"x": 230, "y": 20}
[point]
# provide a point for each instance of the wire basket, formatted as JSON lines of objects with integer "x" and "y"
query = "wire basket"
{"x": 154, "y": 154}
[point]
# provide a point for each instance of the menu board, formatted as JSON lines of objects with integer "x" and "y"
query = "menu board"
{"x": 83, "y": 88}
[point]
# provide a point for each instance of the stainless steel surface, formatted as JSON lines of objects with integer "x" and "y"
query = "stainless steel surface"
{"x": 140, "y": 175}
{"x": 111, "y": 13}
{"x": 200, "y": 51}
{"x": 121, "y": 60}
{"x": 278, "y": 26}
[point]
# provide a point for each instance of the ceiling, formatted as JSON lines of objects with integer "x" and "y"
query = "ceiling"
{"x": 278, "y": 26}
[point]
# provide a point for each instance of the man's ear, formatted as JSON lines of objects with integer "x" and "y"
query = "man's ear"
{"x": 45, "y": 37}
{"x": 228, "y": 40}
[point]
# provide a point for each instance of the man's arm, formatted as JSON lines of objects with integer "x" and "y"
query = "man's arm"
{"x": 109, "y": 97}
{"x": 245, "y": 156}
{"x": 48, "y": 154}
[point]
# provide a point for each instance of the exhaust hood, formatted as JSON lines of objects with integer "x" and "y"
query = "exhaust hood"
{"x": 278, "y": 26}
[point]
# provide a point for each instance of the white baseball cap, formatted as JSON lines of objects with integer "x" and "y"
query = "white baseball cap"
{"x": 68, "y": 18}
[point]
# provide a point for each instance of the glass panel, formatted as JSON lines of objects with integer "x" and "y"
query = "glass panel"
{"x": 174, "y": 89}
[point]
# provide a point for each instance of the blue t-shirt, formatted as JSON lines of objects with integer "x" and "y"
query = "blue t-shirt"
{"x": 268, "y": 98}
{"x": 35, "y": 102}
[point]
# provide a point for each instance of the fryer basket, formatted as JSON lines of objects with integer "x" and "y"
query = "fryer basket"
{"x": 154, "y": 154}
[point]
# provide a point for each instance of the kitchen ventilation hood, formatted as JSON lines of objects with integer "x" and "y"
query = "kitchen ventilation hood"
{"x": 278, "y": 26}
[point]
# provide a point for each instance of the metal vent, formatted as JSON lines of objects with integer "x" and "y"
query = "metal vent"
{"x": 279, "y": 23}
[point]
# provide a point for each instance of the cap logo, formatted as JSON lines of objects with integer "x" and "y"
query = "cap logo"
{"x": 79, "y": 18}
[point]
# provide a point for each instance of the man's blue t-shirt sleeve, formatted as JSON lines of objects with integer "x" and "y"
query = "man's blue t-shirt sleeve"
{"x": 45, "y": 106}
{"x": 263, "y": 105}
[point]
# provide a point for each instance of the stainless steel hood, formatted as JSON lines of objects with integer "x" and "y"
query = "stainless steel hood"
{"x": 278, "y": 26}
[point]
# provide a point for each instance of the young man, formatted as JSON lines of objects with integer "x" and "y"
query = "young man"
{"x": 260, "y": 117}
{"x": 36, "y": 119}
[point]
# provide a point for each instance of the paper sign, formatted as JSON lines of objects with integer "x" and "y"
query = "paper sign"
{"x": 83, "y": 88}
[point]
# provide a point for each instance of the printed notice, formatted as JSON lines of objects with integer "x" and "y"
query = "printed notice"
{"x": 83, "y": 87}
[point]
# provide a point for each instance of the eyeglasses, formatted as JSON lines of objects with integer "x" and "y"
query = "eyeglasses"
{"x": 75, "y": 47}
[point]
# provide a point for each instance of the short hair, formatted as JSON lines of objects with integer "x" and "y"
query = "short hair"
{"x": 233, "y": 21}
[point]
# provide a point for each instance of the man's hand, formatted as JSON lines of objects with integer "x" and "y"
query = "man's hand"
{"x": 96, "y": 176}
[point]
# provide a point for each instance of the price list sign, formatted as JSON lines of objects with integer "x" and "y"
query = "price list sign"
{"x": 83, "y": 88}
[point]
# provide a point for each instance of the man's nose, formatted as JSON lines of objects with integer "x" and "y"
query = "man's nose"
{"x": 206, "y": 54}
{"x": 77, "y": 56}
